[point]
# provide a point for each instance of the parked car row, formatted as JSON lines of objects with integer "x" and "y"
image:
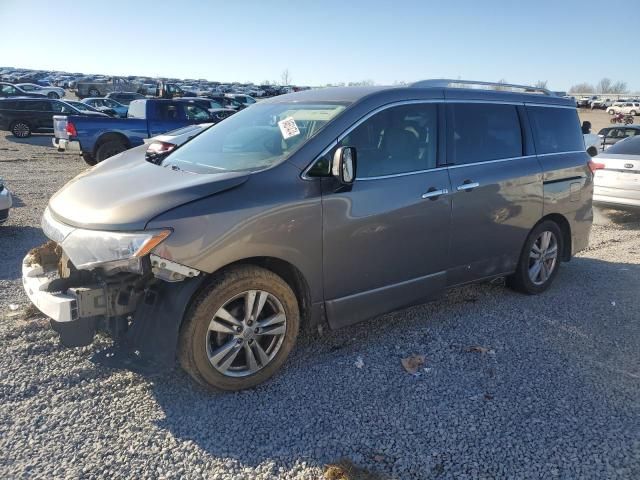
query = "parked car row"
{"x": 97, "y": 139}
{"x": 596, "y": 102}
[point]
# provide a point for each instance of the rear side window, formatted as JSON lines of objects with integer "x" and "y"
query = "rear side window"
{"x": 480, "y": 132}
{"x": 555, "y": 129}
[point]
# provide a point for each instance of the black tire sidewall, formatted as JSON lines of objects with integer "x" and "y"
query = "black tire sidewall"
{"x": 103, "y": 151}
{"x": 523, "y": 267}
{"x": 193, "y": 353}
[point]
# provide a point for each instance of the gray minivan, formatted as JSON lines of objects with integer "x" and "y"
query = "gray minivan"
{"x": 331, "y": 205}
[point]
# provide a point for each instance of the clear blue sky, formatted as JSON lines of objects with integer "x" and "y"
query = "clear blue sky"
{"x": 323, "y": 41}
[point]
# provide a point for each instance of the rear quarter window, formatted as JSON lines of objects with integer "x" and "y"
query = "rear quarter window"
{"x": 555, "y": 129}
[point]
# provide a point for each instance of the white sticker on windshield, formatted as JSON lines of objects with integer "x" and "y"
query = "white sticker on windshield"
{"x": 288, "y": 128}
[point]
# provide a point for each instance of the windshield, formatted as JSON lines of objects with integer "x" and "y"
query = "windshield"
{"x": 256, "y": 138}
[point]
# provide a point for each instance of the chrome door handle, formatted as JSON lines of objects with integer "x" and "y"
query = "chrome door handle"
{"x": 468, "y": 186}
{"x": 435, "y": 193}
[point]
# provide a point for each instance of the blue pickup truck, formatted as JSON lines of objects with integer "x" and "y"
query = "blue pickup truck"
{"x": 99, "y": 138}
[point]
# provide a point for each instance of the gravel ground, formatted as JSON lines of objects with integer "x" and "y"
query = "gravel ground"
{"x": 553, "y": 392}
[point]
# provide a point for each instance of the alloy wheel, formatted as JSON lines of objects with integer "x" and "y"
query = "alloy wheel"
{"x": 21, "y": 130}
{"x": 246, "y": 333}
{"x": 543, "y": 258}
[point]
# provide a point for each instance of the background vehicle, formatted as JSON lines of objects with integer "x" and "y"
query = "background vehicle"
{"x": 620, "y": 117}
{"x": 612, "y": 135}
{"x": 272, "y": 219}
{"x": 245, "y": 100}
{"x": 8, "y": 90}
{"x": 107, "y": 105}
{"x": 24, "y": 116}
{"x": 627, "y": 108}
{"x": 83, "y": 107}
{"x": 125, "y": 98}
{"x": 218, "y": 113}
{"x": 618, "y": 181}
{"x": 225, "y": 102}
{"x": 100, "y": 88}
{"x": 161, "y": 145}
{"x": 5, "y": 202}
{"x": 51, "y": 92}
{"x": 97, "y": 139}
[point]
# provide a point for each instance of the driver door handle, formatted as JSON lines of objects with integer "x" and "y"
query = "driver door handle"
{"x": 468, "y": 186}
{"x": 433, "y": 193}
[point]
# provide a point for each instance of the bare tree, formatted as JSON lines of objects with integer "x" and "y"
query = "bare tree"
{"x": 498, "y": 87}
{"x": 583, "y": 87}
{"x": 619, "y": 87}
{"x": 285, "y": 78}
{"x": 540, "y": 84}
{"x": 604, "y": 86}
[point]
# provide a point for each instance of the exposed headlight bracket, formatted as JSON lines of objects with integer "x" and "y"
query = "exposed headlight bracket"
{"x": 171, "y": 271}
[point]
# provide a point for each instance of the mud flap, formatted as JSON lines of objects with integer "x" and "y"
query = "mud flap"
{"x": 149, "y": 346}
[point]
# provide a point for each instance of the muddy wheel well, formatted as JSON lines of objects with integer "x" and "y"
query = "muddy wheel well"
{"x": 290, "y": 274}
{"x": 565, "y": 228}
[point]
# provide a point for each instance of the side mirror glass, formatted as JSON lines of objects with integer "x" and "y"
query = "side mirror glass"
{"x": 343, "y": 167}
{"x": 592, "y": 151}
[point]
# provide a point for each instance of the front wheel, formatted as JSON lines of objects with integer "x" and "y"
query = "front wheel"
{"x": 539, "y": 260}
{"x": 94, "y": 92}
{"x": 240, "y": 330}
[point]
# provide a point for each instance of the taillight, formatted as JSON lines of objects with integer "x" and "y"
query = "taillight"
{"x": 71, "y": 130}
{"x": 158, "y": 148}
{"x": 593, "y": 166}
{"x": 157, "y": 151}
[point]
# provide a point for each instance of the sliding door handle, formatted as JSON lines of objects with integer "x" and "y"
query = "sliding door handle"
{"x": 468, "y": 186}
{"x": 433, "y": 193}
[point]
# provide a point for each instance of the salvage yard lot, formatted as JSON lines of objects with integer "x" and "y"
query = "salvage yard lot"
{"x": 552, "y": 391}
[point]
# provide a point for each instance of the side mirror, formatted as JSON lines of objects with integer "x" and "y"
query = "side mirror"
{"x": 592, "y": 151}
{"x": 343, "y": 167}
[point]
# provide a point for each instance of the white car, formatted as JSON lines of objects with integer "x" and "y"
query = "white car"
{"x": 5, "y": 202}
{"x": 627, "y": 108}
{"x": 617, "y": 181}
{"x": 51, "y": 92}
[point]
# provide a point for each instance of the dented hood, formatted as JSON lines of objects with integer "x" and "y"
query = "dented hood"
{"x": 125, "y": 192}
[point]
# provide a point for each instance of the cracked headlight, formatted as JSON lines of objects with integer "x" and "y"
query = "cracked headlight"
{"x": 90, "y": 248}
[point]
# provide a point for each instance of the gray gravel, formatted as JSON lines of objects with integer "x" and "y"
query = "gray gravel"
{"x": 557, "y": 394}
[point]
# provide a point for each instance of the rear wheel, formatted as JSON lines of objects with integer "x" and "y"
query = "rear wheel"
{"x": 93, "y": 92}
{"x": 53, "y": 95}
{"x": 109, "y": 149}
{"x": 89, "y": 159}
{"x": 21, "y": 129}
{"x": 539, "y": 261}
{"x": 611, "y": 112}
{"x": 633, "y": 112}
{"x": 240, "y": 330}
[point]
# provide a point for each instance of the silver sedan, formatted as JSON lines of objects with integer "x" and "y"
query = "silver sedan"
{"x": 617, "y": 181}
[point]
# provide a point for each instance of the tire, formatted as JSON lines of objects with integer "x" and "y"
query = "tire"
{"x": 89, "y": 159}
{"x": 21, "y": 129}
{"x": 198, "y": 343}
{"x": 633, "y": 112}
{"x": 109, "y": 149}
{"x": 53, "y": 95}
{"x": 611, "y": 112}
{"x": 94, "y": 92}
{"x": 525, "y": 279}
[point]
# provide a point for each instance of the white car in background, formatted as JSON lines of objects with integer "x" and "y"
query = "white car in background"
{"x": 5, "y": 202}
{"x": 51, "y": 92}
{"x": 617, "y": 179}
{"x": 627, "y": 108}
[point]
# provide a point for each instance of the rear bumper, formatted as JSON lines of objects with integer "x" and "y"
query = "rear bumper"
{"x": 65, "y": 145}
{"x": 616, "y": 196}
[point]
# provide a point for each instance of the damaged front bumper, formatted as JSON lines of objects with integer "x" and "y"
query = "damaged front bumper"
{"x": 76, "y": 312}
{"x": 142, "y": 312}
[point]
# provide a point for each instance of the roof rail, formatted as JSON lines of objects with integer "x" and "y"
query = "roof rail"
{"x": 450, "y": 83}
